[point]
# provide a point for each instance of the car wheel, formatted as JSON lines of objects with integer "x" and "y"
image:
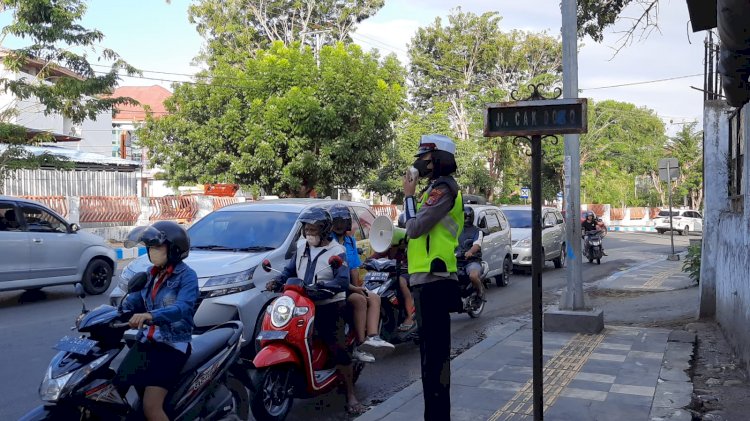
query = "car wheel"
{"x": 503, "y": 279}
{"x": 97, "y": 277}
{"x": 560, "y": 260}
{"x": 660, "y": 232}
{"x": 686, "y": 231}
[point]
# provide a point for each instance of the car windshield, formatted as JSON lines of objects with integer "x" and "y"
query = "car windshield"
{"x": 518, "y": 218}
{"x": 666, "y": 213}
{"x": 242, "y": 230}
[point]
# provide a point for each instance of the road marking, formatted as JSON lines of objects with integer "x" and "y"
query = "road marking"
{"x": 558, "y": 372}
{"x": 657, "y": 280}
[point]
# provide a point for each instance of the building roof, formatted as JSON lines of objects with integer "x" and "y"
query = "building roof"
{"x": 153, "y": 96}
{"x": 54, "y": 69}
{"x": 79, "y": 157}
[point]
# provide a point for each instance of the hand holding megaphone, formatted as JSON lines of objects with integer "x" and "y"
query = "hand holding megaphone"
{"x": 410, "y": 181}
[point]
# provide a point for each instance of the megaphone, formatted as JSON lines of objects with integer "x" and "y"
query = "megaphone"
{"x": 383, "y": 234}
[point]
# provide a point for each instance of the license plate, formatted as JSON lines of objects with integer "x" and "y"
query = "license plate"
{"x": 272, "y": 335}
{"x": 376, "y": 276}
{"x": 80, "y": 346}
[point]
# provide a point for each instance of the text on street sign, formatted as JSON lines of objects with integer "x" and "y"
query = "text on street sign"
{"x": 545, "y": 117}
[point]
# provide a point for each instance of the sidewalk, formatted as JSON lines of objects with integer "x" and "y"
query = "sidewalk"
{"x": 623, "y": 373}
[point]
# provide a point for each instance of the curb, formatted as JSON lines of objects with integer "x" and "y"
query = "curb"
{"x": 123, "y": 253}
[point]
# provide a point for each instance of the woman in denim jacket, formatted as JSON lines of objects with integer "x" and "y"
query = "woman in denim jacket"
{"x": 163, "y": 314}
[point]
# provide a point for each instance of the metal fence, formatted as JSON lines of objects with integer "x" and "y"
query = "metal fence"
{"x": 179, "y": 208}
{"x": 220, "y": 202}
{"x": 47, "y": 182}
{"x": 391, "y": 211}
{"x": 57, "y": 203}
{"x": 109, "y": 209}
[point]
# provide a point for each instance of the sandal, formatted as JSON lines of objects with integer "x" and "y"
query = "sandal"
{"x": 405, "y": 327}
{"x": 356, "y": 409}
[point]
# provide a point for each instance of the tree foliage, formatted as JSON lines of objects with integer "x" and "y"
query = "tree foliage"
{"x": 235, "y": 28}
{"x": 594, "y": 16}
{"x": 687, "y": 147}
{"x": 62, "y": 79}
{"x": 280, "y": 122}
{"x": 459, "y": 65}
{"x": 55, "y": 35}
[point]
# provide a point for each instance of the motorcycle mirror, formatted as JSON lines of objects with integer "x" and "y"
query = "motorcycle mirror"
{"x": 137, "y": 282}
{"x": 80, "y": 292}
{"x": 335, "y": 262}
{"x": 266, "y": 265}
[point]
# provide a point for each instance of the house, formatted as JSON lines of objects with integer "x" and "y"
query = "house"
{"x": 725, "y": 260}
{"x": 91, "y": 175}
{"x": 127, "y": 120}
{"x": 92, "y": 136}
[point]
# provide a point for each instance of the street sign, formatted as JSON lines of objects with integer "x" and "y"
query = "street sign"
{"x": 540, "y": 117}
{"x": 672, "y": 166}
{"x": 525, "y": 192}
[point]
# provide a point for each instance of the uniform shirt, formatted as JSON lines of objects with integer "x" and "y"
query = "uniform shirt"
{"x": 439, "y": 204}
{"x": 310, "y": 265}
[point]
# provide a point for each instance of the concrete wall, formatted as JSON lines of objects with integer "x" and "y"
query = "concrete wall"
{"x": 725, "y": 263}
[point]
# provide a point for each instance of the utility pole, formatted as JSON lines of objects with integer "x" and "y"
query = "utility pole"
{"x": 318, "y": 42}
{"x": 573, "y": 299}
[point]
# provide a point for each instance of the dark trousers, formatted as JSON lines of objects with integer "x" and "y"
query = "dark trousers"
{"x": 433, "y": 302}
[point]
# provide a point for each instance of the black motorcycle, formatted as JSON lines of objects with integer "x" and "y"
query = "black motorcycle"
{"x": 382, "y": 279}
{"x": 592, "y": 246}
{"x": 78, "y": 384}
{"x": 472, "y": 303}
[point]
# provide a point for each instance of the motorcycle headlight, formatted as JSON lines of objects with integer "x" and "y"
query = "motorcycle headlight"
{"x": 53, "y": 389}
{"x": 526, "y": 242}
{"x": 231, "y": 283}
{"x": 283, "y": 309}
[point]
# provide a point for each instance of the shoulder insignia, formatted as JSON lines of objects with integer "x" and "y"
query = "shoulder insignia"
{"x": 434, "y": 197}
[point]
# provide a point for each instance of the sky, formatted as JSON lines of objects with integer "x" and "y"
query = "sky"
{"x": 157, "y": 37}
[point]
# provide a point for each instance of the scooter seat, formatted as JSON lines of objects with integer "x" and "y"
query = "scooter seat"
{"x": 205, "y": 346}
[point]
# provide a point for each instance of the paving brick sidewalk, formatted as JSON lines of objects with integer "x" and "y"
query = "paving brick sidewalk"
{"x": 657, "y": 274}
{"x": 624, "y": 373}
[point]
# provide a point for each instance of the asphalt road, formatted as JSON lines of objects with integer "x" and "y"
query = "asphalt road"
{"x": 28, "y": 330}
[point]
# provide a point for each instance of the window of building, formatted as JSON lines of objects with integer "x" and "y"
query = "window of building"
{"x": 736, "y": 154}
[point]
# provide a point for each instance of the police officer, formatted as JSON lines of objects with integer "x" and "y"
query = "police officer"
{"x": 433, "y": 223}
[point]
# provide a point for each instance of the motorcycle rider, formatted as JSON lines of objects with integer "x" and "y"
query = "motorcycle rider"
{"x": 475, "y": 235}
{"x": 311, "y": 257}
{"x": 365, "y": 307}
{"x": 167, "y": 303}
{"x": 433, "y": 226}
{"x": 592, "y": 224}
{"x": 397, "y": 253}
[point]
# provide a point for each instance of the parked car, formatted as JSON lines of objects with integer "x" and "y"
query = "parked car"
{"x": 39, "y": 248}
{"x": 227, "y": 247}
{"x": 496, "y": 245}
{"x": 553, "y": 236}
{"x": 683, "y": 221}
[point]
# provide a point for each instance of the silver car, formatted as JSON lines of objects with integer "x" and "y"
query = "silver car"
{"x": 39, "y": 248}
{"x": 227, "y": 247}
{"x": 553, "y": 235}
{"x": 496, "y": 245}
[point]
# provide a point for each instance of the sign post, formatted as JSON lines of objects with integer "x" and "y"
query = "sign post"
{"x": 669, "y": 169}
{"x": 525, "y": 191}
{"x": 532, "y": 120}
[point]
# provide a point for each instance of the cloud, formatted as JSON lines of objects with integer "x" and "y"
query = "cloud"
{"x": 389, "y": 37}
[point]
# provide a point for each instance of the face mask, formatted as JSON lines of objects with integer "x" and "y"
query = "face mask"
{"x": 313, "y": 240}
{"x": 421, "y": 166}
{"x": 158, "y": 256}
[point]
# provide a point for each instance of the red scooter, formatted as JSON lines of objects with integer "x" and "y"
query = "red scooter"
{"x": 292, "y": 363}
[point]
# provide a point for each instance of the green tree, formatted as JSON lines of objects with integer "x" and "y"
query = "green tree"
{"x": 467, "y": 62}
{"x": 280, "y": 122}
{"x": 594, "y": 16}
{"x": 687, "y": 147}
{"x": 65, "y": 83}
{"x": 235, "y": 28}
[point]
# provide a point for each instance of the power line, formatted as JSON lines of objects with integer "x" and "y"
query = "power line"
{"x": 644, "y": 82}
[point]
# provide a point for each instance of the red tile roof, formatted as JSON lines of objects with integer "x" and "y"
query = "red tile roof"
{"x": 153, "y": 96}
